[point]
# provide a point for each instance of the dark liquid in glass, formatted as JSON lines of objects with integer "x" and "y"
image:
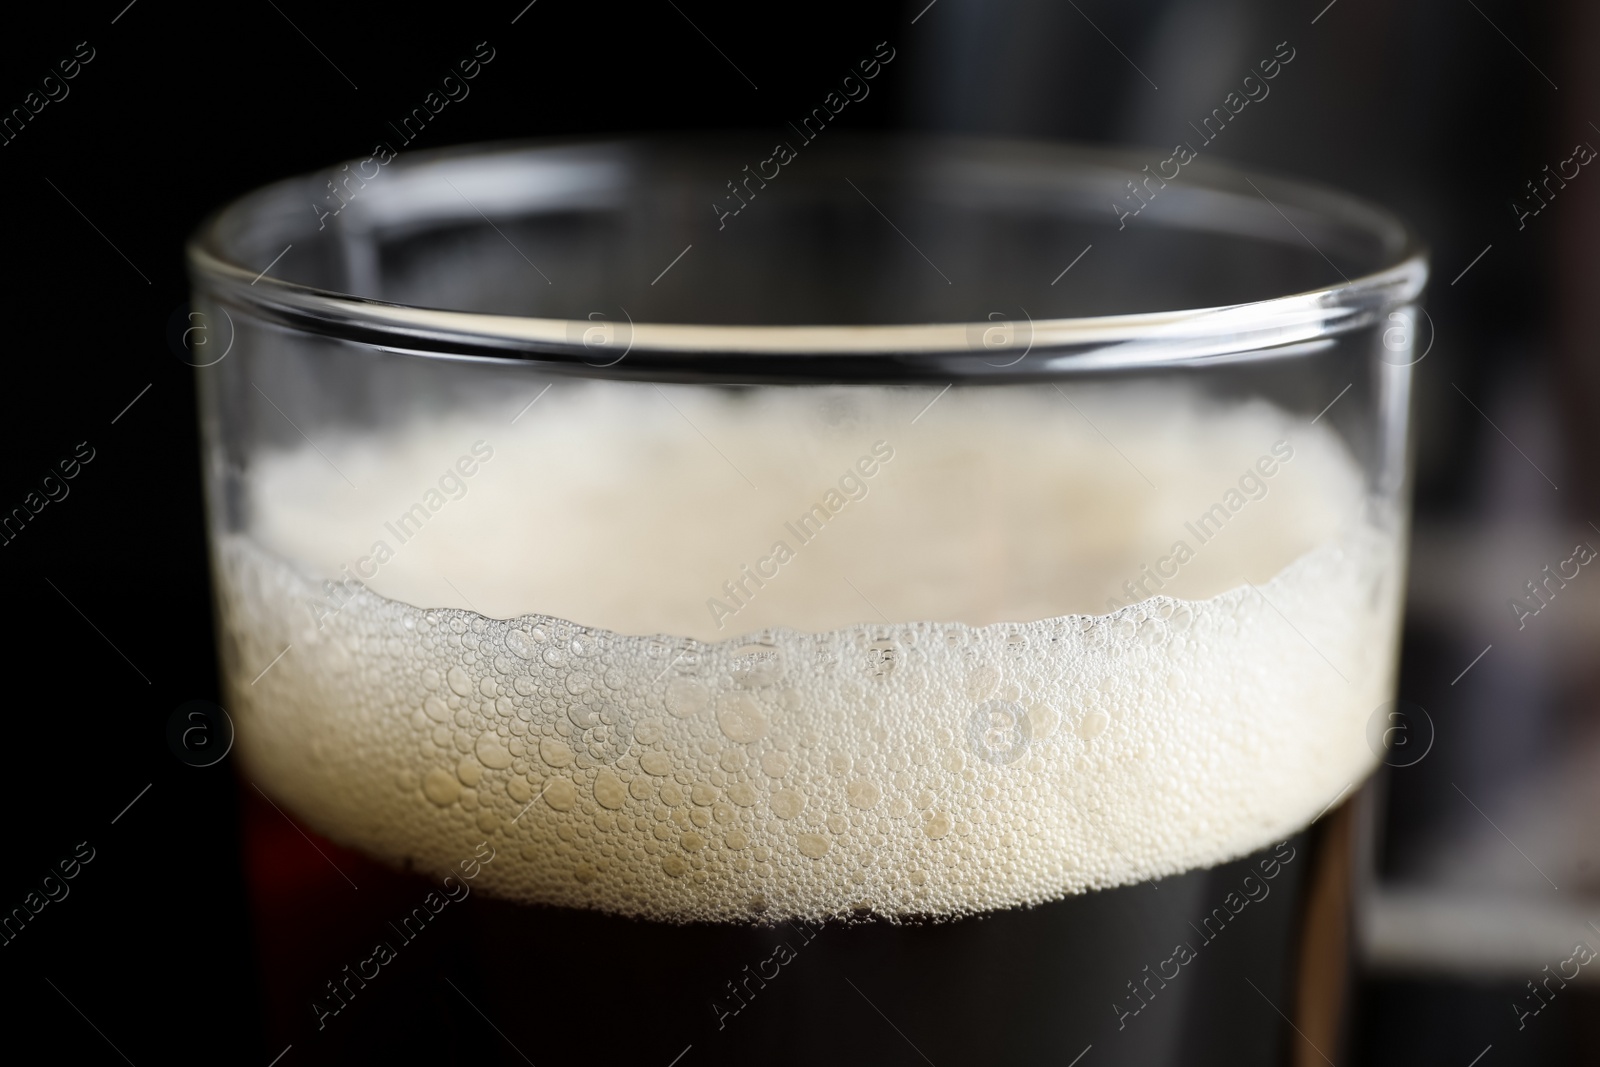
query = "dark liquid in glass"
{"x": 1195, "y": 968}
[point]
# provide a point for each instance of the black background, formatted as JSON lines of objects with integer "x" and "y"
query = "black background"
{"x": 1427, "y": 107}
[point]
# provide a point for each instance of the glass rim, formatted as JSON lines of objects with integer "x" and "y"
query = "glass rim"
{"x": 1272, "y": 327}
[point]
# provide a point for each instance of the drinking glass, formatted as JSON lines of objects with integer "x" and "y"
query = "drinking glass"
{"x": 880, "y": 600}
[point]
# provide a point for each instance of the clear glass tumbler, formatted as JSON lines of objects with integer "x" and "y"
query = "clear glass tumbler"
{"x": 911, "y": 610}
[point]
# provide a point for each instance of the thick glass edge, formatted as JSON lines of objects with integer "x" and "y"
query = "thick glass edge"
{"x": 1270, "y": 328}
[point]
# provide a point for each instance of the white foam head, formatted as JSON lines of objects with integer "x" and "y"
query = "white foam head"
{"x": 922, "y": 706}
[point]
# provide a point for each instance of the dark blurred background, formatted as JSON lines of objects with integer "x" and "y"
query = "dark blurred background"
{"x": 1483, "y": 851}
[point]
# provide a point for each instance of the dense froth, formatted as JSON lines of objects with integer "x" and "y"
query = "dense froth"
{"x": 904, "y": 770}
